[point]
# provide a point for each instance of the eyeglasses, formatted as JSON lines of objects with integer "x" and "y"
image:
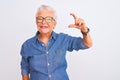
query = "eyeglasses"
{"x": 47, "y": 19}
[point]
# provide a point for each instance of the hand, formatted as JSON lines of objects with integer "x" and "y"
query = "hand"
{"x": 79, "y": 23}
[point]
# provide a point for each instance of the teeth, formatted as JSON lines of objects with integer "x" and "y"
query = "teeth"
{"x": 44, "y": 27}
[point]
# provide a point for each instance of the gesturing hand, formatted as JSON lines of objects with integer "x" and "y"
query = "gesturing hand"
{"x": 79, "y": 23}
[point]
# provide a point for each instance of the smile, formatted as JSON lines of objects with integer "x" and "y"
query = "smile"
{"x": 43, "y": 27}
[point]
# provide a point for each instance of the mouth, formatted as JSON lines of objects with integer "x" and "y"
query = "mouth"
{"x": 44, "y": 27}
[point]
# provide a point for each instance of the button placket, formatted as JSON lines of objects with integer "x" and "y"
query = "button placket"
{"x": 48, "y": 64}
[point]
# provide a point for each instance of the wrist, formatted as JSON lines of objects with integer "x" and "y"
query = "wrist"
{"x": 85, "y": 31}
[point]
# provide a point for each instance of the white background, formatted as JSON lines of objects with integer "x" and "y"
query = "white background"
{"x": 101, "y": 62}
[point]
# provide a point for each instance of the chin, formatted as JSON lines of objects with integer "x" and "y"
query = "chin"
{"x": 45, "y": 32}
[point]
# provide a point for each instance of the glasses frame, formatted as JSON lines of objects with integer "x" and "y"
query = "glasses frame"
{"x": 44, "y": 18}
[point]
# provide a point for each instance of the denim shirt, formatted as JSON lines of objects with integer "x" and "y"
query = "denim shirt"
{"x": 48, "y": 62}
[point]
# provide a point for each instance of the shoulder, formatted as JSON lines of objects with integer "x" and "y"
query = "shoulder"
{"x": 26, "y": 47}
{"x": 29, "y": 41}
{"x": 63, "y": 35}
{"x": 66, "y": 36}
{"x": 58, "y": 35}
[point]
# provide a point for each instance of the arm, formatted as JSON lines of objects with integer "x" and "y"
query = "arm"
{"x": 24, "y": 63}
{"x": 25, "y": 77}
{"x": 86, "y": 37}
{"x": 24, "y": 68}
{"x": 81, "y": 25}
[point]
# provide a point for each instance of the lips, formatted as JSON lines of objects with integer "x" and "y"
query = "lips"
{"x": 43, "y": 27}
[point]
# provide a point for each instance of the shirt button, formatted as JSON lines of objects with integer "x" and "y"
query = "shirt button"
{"x": 47, "y": 52}
{"x": 49, "y": 76}
{"x": 48, "y": 64}
{"x": 42, "y": 44}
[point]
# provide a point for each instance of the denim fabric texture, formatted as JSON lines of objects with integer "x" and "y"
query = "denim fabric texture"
{"x": 48, "y": 62}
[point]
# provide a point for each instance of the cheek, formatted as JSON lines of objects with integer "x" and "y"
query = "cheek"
{"x": 51, "y": 25}
{"x": 38, "y": 24}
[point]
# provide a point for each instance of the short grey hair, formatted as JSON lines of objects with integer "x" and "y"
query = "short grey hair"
{"x": 46, "y": 8}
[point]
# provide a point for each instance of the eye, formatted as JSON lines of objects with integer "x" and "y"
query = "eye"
{"x": 40, "y": 18}
{"x": 48, "y": 19}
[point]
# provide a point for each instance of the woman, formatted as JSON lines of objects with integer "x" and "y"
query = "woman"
{"x": 43, "y": 56}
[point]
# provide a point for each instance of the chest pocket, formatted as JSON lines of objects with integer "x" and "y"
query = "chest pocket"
{"x": 59, "y": 57}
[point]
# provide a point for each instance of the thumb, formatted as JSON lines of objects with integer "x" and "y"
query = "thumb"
{"x": 71, "y": 25}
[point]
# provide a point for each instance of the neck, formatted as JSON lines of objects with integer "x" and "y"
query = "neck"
{"x": 45, "y": 37}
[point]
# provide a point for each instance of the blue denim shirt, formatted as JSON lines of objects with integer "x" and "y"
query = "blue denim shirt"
{"x": 48, "y": 62}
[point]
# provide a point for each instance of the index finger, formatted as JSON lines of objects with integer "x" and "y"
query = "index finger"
{"x": 74, "y": 16}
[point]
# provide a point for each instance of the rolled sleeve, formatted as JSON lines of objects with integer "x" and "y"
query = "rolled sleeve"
{"x": 24, "y": 66}
{"x": 75, "y": 43}
{"x": 24, "y": 61}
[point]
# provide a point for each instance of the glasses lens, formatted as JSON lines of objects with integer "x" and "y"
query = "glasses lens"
{"x": 40, "y": 19}
{"x": 48, "y": 19}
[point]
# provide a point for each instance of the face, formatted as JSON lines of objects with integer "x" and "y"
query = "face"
{"x": 45, "y": 22}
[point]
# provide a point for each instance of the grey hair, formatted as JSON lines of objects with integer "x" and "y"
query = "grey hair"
{"x": 47, "y": 8}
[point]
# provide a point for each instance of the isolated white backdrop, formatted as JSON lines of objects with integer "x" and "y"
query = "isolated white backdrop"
{"x": 101, "y": 62}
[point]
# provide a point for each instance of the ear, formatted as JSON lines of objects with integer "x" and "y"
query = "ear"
{"x": 55, "y": 24}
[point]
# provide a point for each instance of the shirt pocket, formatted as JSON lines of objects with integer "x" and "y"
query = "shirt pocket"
{"x": 59, "y": 57}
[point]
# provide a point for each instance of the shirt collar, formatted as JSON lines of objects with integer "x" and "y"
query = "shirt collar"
{"x": 54, "y": 35}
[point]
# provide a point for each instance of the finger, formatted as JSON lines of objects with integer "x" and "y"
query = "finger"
{"x": 72, "y": 26}
{"x": 75, "y": 17}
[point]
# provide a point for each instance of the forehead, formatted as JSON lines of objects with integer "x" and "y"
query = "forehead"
{"x": 45, "y": 13}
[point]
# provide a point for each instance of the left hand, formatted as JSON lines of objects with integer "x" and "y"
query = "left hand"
{"x": 79, "y": 23}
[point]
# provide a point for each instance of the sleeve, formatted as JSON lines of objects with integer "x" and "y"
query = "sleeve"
{"x": 75, "y": 43}
{"x": 24, "y": 61}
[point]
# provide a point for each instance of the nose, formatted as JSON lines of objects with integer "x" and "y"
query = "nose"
{"x": 43, "y": 21}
